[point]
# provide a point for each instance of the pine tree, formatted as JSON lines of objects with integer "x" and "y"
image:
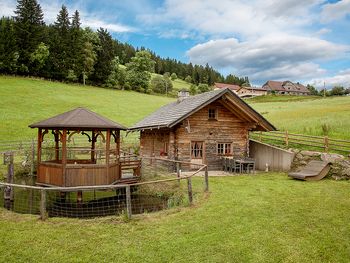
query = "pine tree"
{"x": 29, "y": 30}
{"x": 105, "y": 55}
{"x": 77, "y": 45}
{"x": 61, "y": 53}
{"x": 62, "y": 22}
{"x": 76, "y": 20}
{"x": 8, "y": 50}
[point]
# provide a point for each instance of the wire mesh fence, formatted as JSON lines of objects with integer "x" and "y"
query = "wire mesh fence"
{"x": 164, "y": 184}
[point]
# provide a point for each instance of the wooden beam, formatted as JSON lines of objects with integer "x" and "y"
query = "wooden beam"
{"x": 108, "y": 142}
{"x": 64, "y": 155}
{"x": 248, "y": 112}
{"x": 93, "y": 147}
{"x": 118, "y": 153}
{"x": 39, "y": 146}
{"x": 239, "y": 114}
{"x": 57, "y": 146}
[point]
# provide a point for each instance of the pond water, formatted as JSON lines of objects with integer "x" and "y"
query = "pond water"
{"x": 90, "y": 204}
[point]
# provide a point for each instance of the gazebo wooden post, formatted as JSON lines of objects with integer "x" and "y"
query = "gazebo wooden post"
{"x": 40, "y": 135}
{"x": 93, "y": 146}
{"x": 117, "y": 132}
{"x": 57, "y": 146}
{"x": 64, "y": 155}
{"x": 108, "y": 142}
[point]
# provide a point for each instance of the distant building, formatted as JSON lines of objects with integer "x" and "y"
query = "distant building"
{"x": 285, "y": 87}
{"x": 241, "y": 91}
{"x": 232, "y": 87}
{"x": 251, "y": 92}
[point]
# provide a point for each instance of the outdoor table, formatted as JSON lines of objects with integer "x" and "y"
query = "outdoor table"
{"x": 246, "y": 164}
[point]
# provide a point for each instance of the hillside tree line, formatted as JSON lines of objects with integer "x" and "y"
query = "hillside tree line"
{"x": 66, "y": 51}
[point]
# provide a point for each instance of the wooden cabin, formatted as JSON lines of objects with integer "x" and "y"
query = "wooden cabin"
{"x": 75, "y": 165}
{"x": 201, "y": 128}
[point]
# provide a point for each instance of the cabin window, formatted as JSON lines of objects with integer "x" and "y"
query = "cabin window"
{"x": 212, "y": 114}
{"x": 224, "y": 149}
{"x": 196, "y": 150}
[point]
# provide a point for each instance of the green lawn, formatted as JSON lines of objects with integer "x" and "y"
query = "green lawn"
{"x": 263, "y": 218}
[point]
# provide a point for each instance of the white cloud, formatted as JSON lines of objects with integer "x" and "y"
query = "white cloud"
{"x": 52, "y": 7}
{"x": 113, "y": 27}
{"x": 272, "y": 56}
{"x": 335, "y": 11}
{"x": 340, "y": 79}
{"x": 7, "y": 7}
{"x": 227, "y": 17}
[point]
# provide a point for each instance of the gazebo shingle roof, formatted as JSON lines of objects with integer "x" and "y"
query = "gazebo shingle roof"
{"x": 78, "y": 118}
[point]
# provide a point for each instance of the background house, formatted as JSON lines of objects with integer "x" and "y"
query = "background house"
{"x": 285, "y": 87}
{"x": 201, "y": 128}
{"x": 232, "y": 87}
{"x": 244, "y": 92}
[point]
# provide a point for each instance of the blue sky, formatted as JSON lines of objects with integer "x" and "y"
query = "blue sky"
{"x": 305, "y": 41}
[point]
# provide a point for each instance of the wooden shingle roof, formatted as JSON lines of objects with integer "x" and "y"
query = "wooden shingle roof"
{"x": 78, "y": 118}
{"x": 173, "y": 113}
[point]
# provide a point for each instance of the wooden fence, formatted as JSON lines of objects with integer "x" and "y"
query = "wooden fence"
{"x": 33, "y": 199}
{"x": 308, "y": 141}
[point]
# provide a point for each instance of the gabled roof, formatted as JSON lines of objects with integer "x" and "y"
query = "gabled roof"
{"x": 78, "y": 118}
{"x": 225, "y": 85}
{"x": 171, "y": 114}
{"x": 280, "y": 86}
{"x": 274, "y": 85}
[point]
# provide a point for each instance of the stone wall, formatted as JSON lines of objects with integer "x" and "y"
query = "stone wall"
{"x": 340, "y": 166}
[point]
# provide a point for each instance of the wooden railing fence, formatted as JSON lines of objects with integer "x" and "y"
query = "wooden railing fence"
{"x": 320, "y": 142}
{"x": 8, "y": 188}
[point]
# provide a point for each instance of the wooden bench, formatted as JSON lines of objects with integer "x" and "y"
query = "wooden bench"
{"x": 313, "y": 171}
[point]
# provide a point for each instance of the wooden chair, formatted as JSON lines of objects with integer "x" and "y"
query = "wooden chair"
{"x": 250, "y": 166}
{"x": 235, "y": 166}
{"x": 225, "y": 164}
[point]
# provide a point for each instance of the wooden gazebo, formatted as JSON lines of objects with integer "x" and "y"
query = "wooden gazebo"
{"x": 79, "y": 166}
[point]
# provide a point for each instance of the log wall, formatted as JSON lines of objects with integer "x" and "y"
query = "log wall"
{"x": 228, "y": 128}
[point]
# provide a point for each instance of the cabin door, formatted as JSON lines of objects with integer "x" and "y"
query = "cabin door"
{"x": 197, "y": 152}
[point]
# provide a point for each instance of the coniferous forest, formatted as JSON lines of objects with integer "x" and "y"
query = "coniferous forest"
{"x": 65, "y": 51}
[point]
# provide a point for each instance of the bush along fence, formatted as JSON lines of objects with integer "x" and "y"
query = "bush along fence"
{"x": 164, "y": 184}
{"x": 306, "y": 141}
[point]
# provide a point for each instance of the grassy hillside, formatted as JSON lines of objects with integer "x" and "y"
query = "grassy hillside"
{"x": 24, "y": 101}
{"x": 264, "y": 218}
{"x": 178, "y": 84}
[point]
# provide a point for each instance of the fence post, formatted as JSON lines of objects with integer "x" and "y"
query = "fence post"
{"x": 189, "y": 186}
{"x": 206, "y": 179}
{"x": 8, "y": 190}
{"x": 287, "y": 139}
{"x": 128, "y": 201}
{"x": 42, "y": 204}
{"x": 178, "y": 170}
{"x": 326, "y": 144}
{"x": 33, "y": 158}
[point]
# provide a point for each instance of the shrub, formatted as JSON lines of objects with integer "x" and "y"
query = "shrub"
{"x": 173, "y": 76}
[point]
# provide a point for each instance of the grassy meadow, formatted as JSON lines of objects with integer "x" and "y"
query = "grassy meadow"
{"x": 26, "y": 100}
{"x": 262, "y": 218}
{"x": 307, "y": 115}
